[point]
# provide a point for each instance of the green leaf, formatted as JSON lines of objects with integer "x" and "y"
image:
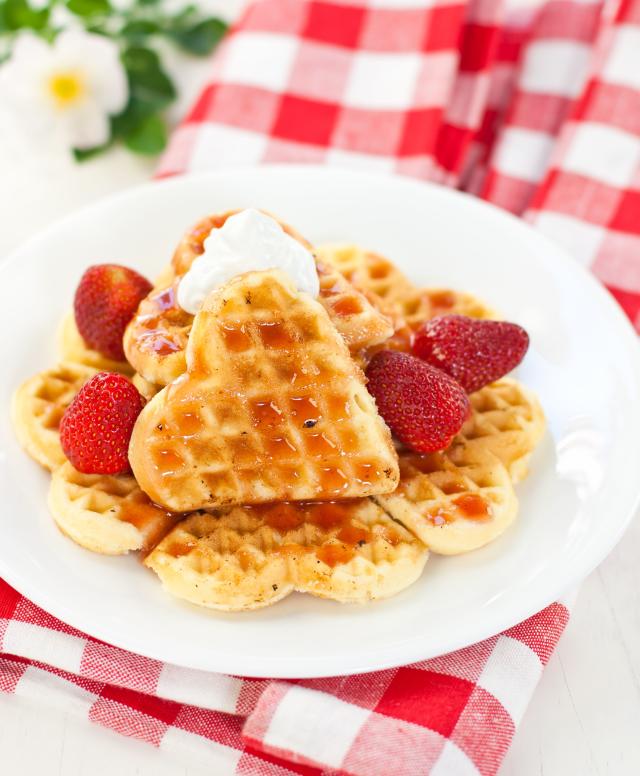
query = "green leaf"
{"x": 149, "y": 85}
{"x": 183, "y": 16}
{"x": 18, "y": 14}
{"x": 201, "y": 38}
{"x": 149, "y": 137}
{"x": 48, "y": 34}
{"x": 97, "y": 27}
{"x": 83, "y": 154}
{"x": 137, "y": 30}
{"x": 89, "y": 7}
{"x": 130, "y": 117}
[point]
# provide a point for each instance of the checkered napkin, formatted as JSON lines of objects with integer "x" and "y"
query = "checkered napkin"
{"x": 538, "y": 112}
{"x": 453, "y": 716}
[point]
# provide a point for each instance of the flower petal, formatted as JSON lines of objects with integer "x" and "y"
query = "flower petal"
{"x": 29, "y": 50}
{"x": 23, "y": 76}
{"x": 86, "y": 126}
{"x": 112, "y": 92}
{"x": 99, "y": 59}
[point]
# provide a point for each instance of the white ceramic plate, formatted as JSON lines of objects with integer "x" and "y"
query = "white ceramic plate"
{"x": 575, "y": 505}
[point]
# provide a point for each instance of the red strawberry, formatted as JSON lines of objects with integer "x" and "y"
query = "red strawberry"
{"x": 106, "y": 300}
{"x": 424, "y": 407}
{"x": 472, "y": 351}
{"x": 96, "y": 427}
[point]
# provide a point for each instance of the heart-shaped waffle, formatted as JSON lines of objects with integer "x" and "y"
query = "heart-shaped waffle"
{"x": 38, "y": 406}
{"x": 106, "y": 514}
{"x": 455, "y": 501}
{"x": 271, "y": 408}
{"x": 250, "y": 557}
{"x": 156, "y": 338}
{"x": 506, "y": 421}
{"x": 395, "y": 295}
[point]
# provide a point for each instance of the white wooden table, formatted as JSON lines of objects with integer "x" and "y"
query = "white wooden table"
{"x": 584, "y": 719}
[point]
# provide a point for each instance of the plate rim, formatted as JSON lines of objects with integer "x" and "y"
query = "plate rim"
{"x": 389, "y": 655}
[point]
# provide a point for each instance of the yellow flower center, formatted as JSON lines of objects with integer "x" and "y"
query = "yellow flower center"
{"x": 66, "y": 88}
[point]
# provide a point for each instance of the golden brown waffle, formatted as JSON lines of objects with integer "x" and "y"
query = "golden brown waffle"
{"x": 106, "y": 514}
{"x": 359, "y": 322}
{"x": 427, "y": 303}
{"x": 252, "y": 557}
{"x": 367, "y": 271}
{"x": 72, "y": 348}
{"x": 396, "y": 296}
{"x": 38, "y": 406}
{"x": 156, "y": 339}
{"x": 454, "y": 501}
{"x": 507, "y": 421}
{"x": 374, "y": 274}
{"x": 272, "y": 408}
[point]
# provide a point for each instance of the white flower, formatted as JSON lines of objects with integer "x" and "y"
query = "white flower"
{"x": 67, "y": 89}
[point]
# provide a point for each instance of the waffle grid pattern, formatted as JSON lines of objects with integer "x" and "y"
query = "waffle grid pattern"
{"x": 249, "y": 558}
{"x": 358, "y": 321}
{"x": 156, "y": 339}
{"x": 367, "y": 271}
{"x": 305, "y": 437}
{"x": 435, "y": 489}
{"x": 38, "y": 407}
{"x": 394, "y": 294}
{"x": 507, "y": 422}
{"x": 105, "y": 514}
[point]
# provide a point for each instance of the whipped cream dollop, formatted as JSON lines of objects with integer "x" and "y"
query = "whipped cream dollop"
{"x": 248, "y": 241}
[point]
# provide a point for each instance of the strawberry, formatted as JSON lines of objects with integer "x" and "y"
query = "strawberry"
{"x": 424, "y": 407}
{"x": 472, "y": 351}
{"x": 96, "y": 427}
{"x": 106, "y": 300}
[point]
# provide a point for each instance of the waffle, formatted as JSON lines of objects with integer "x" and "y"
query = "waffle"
{"x": 106, "y": 514}
{"x": 191, "y": 244}
{"x": 252, "y": 557}
{"x": 38, "y": 406}
{"x": 394, "y": 295}
{"x": 72, "y": 348}
{"x": 272, "y": 408}
{"x": 374, "y": 274}
{"x": 147, "y": 389}
{"x": 367, "y": 271}
{"x": 156, "y": 339}
{"x": 507, "y": 421}
{"x": 454, "y": 501}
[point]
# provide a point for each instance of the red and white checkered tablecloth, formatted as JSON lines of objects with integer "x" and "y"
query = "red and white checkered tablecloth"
{"x": 537, "y": 111}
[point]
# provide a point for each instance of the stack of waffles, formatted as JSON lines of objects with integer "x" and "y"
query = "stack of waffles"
{"x": 260, "y": 465}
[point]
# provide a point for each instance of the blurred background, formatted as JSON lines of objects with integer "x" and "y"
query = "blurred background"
{"x": 39, "y": 179}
